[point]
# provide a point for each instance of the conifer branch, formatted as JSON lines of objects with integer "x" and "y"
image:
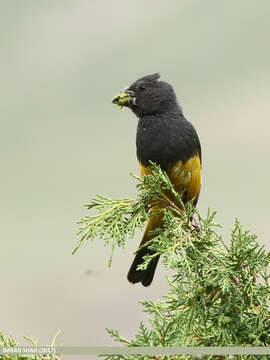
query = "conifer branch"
{"x": 219, "y": 293}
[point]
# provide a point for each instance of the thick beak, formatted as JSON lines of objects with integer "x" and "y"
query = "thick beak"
{"x": 124, "y": 98}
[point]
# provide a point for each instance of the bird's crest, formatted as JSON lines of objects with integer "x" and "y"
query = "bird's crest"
{"x": 150, "y": 78}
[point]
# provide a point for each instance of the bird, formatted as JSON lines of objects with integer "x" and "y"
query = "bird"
{"x": 164, "y": 137}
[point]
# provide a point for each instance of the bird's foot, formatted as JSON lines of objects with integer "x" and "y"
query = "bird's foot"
{"x": 195, "y": 223}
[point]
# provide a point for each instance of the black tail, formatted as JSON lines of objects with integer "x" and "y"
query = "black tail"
{"x": 143, "y": 276}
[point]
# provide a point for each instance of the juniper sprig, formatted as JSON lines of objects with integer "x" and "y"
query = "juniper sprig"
{"x": 219, "y": 293}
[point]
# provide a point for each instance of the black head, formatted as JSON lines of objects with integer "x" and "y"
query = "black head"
{"x": 147, "y": 96}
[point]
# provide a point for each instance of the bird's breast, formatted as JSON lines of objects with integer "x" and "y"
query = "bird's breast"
{"x": 152, "y": 143}
{"x": 164, "y": 140}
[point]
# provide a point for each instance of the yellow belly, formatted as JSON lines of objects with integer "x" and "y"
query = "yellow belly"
{"x": 186, "y": 177}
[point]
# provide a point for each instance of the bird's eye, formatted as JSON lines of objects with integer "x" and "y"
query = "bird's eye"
{"x": 142, "y": 87}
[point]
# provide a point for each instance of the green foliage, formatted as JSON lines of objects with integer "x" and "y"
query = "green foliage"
{"x": 117, "y": 219}
{"x": 219, "y": 294}
{"x": 10, "y": 342}
{"x": 121, "y": 99}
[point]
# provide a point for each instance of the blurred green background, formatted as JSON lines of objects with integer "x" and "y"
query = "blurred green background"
{"x": 62, "y": 141}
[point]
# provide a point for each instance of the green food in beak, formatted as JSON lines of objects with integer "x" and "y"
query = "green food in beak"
{"x": 124, "y": 99}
